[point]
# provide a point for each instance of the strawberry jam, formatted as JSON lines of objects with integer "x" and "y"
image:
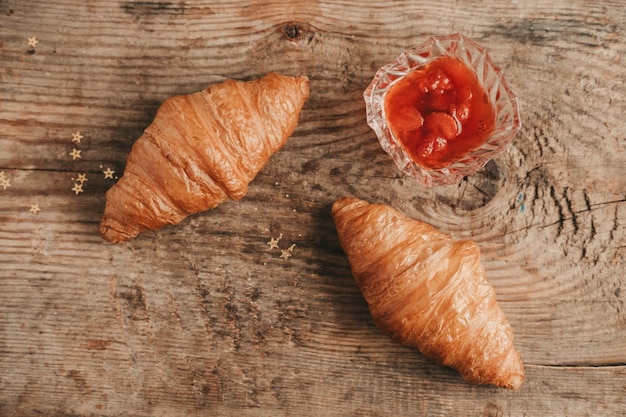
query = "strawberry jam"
{"x": 439, "y": 112}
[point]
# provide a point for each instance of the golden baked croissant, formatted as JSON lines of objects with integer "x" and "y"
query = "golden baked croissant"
{"x": 201, "y": 149}
{"x": 429, "y": 291}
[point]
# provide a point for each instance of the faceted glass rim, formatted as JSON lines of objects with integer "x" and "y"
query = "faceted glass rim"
{"x": 505, "y": 102}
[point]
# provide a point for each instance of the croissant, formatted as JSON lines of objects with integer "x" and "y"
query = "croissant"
{"x": 429, "y": 291}
{"x": 200, "y": 150}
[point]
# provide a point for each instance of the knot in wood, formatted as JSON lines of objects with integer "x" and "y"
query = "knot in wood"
{"x": 292, "y": 31}
{"x": 475, "y": 192}
{"x": 297, "y": 32}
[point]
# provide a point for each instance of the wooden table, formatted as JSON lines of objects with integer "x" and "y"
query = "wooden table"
{"x": 205, "y": 319}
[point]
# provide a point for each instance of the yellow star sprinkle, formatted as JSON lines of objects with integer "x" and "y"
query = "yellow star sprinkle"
{"x": 273, "y": 243}
{"x": 81, "y": 178}
{"x": 75, "y": 154}
{"x": 4, "y": 183}
{"x": 34, "y": 208}
{"x": 77, "y": 188}
{"x": 32, "y": 41}
{"x": 286, "y": 253}
{"x": 108, "y": 173}
{"x": 76, "y": 137}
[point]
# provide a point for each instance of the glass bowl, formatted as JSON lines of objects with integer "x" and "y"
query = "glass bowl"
{"x": 503, "y": 100}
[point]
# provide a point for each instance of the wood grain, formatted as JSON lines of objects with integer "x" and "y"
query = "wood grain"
{"x": 204, "y": 318}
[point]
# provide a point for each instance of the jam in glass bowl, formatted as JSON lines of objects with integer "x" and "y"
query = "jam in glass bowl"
{"x": 442, "y": 110}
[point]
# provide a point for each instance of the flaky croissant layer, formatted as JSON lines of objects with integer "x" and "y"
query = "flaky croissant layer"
{"x": 200, "y": 150}
{"x": 429, "y": 291}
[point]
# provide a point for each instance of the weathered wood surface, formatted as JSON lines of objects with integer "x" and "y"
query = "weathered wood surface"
{"x": 204, "y": 318}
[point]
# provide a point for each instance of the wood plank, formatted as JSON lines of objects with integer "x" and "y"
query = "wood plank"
{"x": 204, "y": 317}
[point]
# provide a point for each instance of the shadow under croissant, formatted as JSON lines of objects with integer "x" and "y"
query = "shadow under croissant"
{"x": 331, "y": 265}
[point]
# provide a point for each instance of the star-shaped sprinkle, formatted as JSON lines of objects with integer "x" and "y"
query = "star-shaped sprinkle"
{"x": 108, "y": 173}
{"x": 32, "y": 41}
{"x": 77, "y": 188}
{"x": 34, "y": 208}
{"x": 81, "y": 178}
{"x": 4, "y": 183}
{"x": 286, "y": 253}
{"x": 75, "y": 154}
{"x": 273, "y": 243}
{"x": 76, "y": 137}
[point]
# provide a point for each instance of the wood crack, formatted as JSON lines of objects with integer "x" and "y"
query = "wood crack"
{"x": 581, "y": 365}
{"x": 563, "y": 219}
{"x": 559, "y": 207}
{"x": 568, "y": 204}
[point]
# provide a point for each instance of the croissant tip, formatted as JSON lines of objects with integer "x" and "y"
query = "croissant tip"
{"x": 345, "y": 201}
{"x": 304, "y": 83}
{"x": 509, "y": 374}
{"x": 515, "y": 382}
{"x": 111, "y": 235}
{"x": 516, "y": 379}
{"x": 107, "y": 235}
{"x": 303, "y": 80}
{"x": 513, "y": 371}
